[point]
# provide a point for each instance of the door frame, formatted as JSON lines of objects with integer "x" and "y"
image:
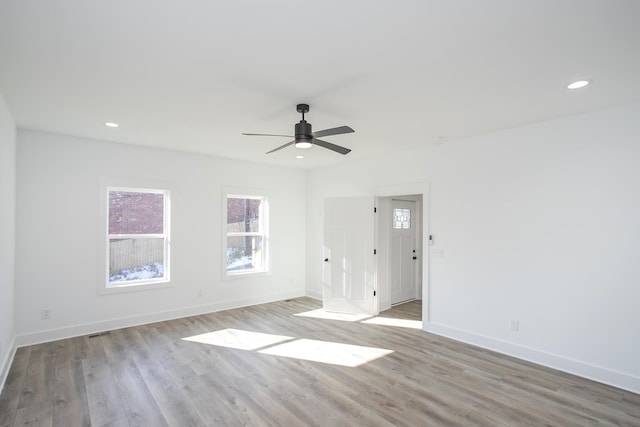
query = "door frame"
{"x": 383, "y": 196}
{"x": 415, "y": 278}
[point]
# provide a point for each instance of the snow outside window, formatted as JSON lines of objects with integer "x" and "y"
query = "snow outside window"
{"x": 137, "y": 237}
{"x": 246, "y": 240}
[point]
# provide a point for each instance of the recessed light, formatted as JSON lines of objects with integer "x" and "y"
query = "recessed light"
{"x": 111, "y": 124}
{"x": 299, "y": 157}
{"x": 578, "y": 84}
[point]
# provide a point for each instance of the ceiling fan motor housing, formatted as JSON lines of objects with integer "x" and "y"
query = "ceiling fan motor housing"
{"x": 303, "y": 131}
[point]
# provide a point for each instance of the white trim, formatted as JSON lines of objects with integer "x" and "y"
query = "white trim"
{"x": 248, "y": 193}
{"x": 106, "y": 184}
{"x": 550, "y": 360}
{"x": 6, "y": 363}
{"x": 423, "y": 189}
{"x": 125, "y": 322}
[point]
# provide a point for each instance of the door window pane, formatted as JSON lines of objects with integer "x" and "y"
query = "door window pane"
{"x": 401, "y": 218}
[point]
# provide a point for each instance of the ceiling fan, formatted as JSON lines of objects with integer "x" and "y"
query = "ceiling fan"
{"x": 305, "y": 138}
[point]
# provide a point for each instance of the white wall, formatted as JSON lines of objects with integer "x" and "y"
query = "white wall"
{"x": 539, "y": 224}
{"x": 57, "y": 235}
{"x": 7, "y": 236}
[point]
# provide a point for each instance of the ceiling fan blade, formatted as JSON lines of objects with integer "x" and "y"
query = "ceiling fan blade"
{"x": 332, "y": 131}
{"x": 266, "y": 134}
{"x": 331, "y": 146}
{"x": 281, "y": 147}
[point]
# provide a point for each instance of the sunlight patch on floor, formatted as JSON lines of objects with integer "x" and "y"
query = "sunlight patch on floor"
{"x": 327, "y": 352}
{"x": 362, "y": 318}
{"x": 296, "y": 348}
{"x": 328, "y": 315}
{"x": 239, "y": 339}
{"x": 389, "y": 321}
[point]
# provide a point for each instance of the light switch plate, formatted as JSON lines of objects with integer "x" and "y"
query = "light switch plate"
{"x": 437, "y": 252}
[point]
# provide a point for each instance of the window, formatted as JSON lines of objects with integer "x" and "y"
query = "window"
{"x": 137, "y": 240}
{"x": 401, "y": 218}
{"x": 246, "y": 238}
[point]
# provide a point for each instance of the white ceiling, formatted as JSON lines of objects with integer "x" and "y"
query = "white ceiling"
{"x": 191, "y": 75}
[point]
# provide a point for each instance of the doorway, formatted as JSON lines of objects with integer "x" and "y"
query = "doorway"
{"x": 357, "y": 273}
{"x": 402, "y": 252}
{"x": 399, "y": 229}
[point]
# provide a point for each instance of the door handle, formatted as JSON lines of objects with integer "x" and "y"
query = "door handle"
{"x": 415, "y": 257}
{"x": 326, "y": 260}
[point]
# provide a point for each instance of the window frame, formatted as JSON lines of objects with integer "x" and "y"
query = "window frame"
{"x": 253, "y": 194}
{"x": 106, "y": 287}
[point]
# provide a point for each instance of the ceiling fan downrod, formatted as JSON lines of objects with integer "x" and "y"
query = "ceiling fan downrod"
{"x": 303, "y": 134}
{"x": 302, "y": 108}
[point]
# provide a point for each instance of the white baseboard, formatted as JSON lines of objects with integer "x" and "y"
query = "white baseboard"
{"x": 125, "y": 322}
{"x": 6, "y": 363}
{"x": 561, "y": 363}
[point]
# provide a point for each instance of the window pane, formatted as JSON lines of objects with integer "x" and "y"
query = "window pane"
{"x": 244, "y": 253}
{"x": 136, "y": 259}
{"x": 243, "y": 215}
{"x": 135, "y": 213}
{"x": 402, "y": 218}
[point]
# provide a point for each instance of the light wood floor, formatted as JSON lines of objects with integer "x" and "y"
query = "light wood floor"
{"x": 150, "y": 375}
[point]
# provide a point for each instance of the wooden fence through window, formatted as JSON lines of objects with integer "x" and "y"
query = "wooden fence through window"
{"x": 129, "y": 253}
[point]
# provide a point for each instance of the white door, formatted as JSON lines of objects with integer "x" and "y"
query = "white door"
{"x": 403, "y": 251}
{"x": 349, "y": 271}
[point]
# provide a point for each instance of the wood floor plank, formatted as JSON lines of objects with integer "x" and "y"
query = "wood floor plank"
{"x": 10, "y": 398}
{"x": 34, "y": 416}
{"x": 282, "y": 408}
{"x": 139, "y": 406}
{"x": 157, "y": 375}
{"x": 67, "y": 384}
{"x": 199, "y": 392}
{"x": 175, "y": 408}
{"x": 103, "y": 399}
{"x": 37, "y": 398}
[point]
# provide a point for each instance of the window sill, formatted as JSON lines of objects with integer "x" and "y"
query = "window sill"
{"x": 245, "y": 274}
{"x": 135, "y": 287}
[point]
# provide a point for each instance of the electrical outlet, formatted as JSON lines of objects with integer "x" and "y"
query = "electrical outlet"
{"x": 515, "y": 325}
{"x": 46, "y": 314}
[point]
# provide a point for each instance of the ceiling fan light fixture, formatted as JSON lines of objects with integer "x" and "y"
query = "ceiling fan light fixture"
{"x": 578, "y": 84}
{"x": 303, "y": 144}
